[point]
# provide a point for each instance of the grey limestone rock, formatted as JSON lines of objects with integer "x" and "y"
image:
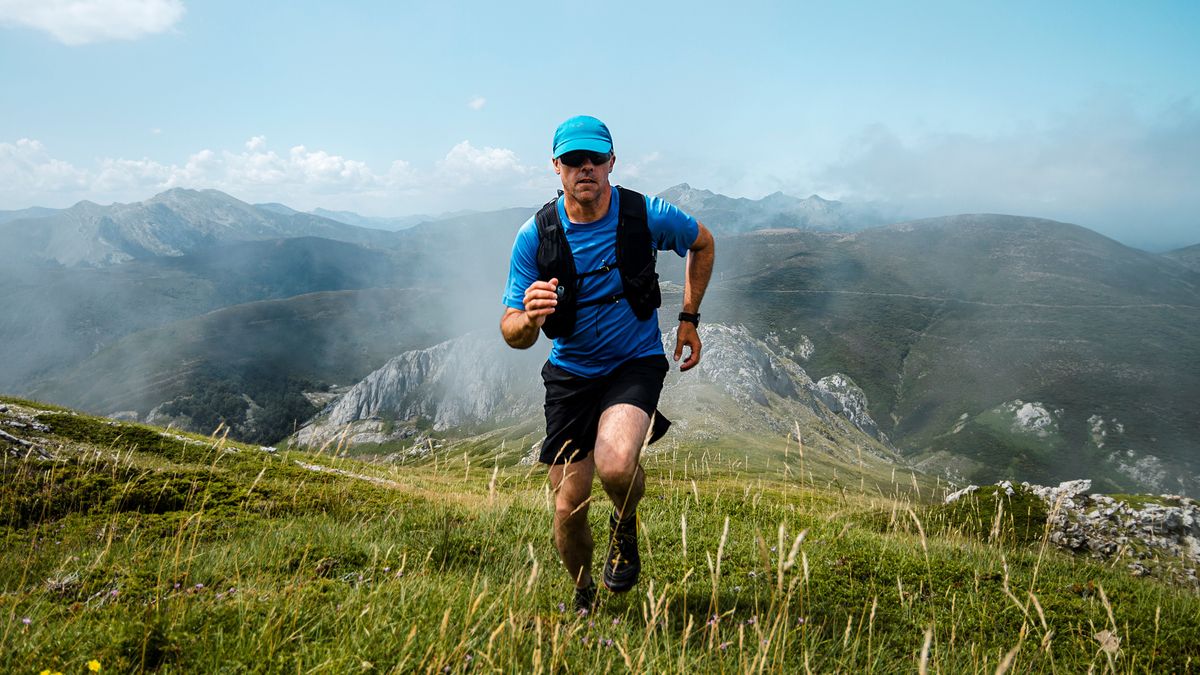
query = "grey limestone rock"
{"x": 1151, "y": 529}
{"x": 845, "y": 398}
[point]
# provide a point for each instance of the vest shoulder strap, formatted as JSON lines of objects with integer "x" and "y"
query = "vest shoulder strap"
{"x": 633, "y": 206}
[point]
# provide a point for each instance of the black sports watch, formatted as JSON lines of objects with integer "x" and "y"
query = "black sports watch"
{"x": 688, "y": 316}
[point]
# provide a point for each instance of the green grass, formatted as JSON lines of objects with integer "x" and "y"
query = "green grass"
{"x": 210, "y": 556}
{"x": 1139, "y": 502}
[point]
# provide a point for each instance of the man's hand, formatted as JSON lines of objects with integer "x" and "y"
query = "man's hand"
{"x": 687, "y": 336}
{"x": 540, "y": 300}
{"x": 520, "y": 328}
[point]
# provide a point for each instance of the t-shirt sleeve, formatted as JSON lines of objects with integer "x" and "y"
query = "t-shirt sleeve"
{"x": 671, "y": 228}
{"x": 522, "y": 268}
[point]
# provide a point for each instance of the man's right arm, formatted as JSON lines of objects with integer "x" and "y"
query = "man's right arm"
{"x": 520, "y": 328}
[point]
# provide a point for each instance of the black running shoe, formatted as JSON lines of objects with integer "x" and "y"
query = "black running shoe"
{"x": 585, "y": 598}
{"x": 623, "y": 564}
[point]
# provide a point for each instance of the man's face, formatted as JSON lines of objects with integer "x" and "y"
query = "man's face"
{"x": 587, "y": 181}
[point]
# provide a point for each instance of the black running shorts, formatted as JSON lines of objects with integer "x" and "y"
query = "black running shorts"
{"x": 574, "y": 404}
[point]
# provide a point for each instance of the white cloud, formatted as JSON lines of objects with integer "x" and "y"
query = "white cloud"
{"x": 467, "y": 177}
{"x": 77, "y": 22}
{"x": 637, "y": 168}
{"x": 26, "y": 167}
{"x": 467, "y": 164}
{"x": 477, "y": 103}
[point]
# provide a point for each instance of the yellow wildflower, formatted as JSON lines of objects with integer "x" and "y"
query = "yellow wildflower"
{"x": 94, "y": 666}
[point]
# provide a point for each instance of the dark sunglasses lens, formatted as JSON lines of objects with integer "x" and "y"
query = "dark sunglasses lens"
{"x": 576, "y": 158}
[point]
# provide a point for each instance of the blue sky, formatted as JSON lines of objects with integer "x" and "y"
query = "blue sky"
{"x": 1081, "y": 111}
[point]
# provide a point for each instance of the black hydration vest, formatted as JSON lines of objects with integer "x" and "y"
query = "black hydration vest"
{"x": 636, "y": 255}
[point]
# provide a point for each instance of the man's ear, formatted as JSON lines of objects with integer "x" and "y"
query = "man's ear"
{"x": 557, "y": 167}
{"x": 612, "y": 161}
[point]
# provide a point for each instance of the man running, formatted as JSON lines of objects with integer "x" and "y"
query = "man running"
{"x": 582, "y": 271}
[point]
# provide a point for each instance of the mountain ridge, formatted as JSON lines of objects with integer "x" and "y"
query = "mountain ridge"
{"x": 170, "y": 223}
{"x": 729, "y": 215}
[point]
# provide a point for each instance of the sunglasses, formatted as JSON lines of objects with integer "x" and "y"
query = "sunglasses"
{"x": 576, "y": 158}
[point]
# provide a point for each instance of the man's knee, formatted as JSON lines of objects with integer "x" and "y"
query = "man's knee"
{"x": 617, "y": 466}
{"x": 571, "y": 516}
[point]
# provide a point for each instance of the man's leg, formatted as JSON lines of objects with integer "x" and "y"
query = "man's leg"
{"x": 619, "y": 438}
{"x": 572, "y": 485}
{"x": 619, "y": 441}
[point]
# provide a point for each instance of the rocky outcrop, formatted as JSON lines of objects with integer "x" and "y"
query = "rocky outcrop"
{"x": 1157, "y": 534}
{"x": 745, "y": 368}
{"x": 839, "y": 393}
{"x": 451, "y": 384}
{"x": 468, "y": 381}
{"x": 476, "y": 381}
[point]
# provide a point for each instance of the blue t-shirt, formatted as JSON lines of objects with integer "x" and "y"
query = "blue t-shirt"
{"x": 608, "y": 334}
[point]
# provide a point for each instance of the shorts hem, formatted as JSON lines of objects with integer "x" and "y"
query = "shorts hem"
{"x": 640, "y": 405}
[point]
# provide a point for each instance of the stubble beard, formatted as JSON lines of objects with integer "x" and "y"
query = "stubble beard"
{"x": 587, "y": 193}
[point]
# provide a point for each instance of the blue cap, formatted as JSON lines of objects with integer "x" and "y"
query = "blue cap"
{"x": 582, "y": 132}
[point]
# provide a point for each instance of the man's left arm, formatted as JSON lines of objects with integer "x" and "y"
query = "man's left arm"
{"x": 701, "y": 255}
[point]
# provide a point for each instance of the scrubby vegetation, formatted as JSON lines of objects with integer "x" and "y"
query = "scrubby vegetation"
{"x": 181, "y": 553}
{"x": 257, "y": 405}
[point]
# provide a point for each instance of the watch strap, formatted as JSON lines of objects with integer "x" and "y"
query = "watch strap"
{"x": 688, "y": 316}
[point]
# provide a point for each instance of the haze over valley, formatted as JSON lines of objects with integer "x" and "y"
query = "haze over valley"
{"x": 971, "y": 347}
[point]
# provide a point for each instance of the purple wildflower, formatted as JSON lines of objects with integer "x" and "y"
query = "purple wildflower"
{"x": 26, "y": 620}
{"x": 562, "y": 607}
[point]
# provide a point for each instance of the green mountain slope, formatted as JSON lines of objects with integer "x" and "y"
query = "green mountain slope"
{"x": 142, "y": 549}
{"x": 950, "y": 317}
{"x": 269, "y": 351}
{"x": 52, "y": 318}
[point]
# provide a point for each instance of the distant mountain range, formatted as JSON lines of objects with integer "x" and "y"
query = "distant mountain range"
{"x": 173, "y": 223}
{"x": 728, "y": 215}
{"x": 23, "y": 214}
{"x": 1188, "y": 256}
{"x": 373, "y": 222}
{"x": 985, "y": 346}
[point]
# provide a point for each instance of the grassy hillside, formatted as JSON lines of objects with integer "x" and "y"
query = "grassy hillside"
{"x": 150, "y": 551}
{"x": 958, "y": 315}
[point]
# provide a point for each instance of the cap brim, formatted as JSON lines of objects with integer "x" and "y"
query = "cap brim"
{"x": 591, "y": 144}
